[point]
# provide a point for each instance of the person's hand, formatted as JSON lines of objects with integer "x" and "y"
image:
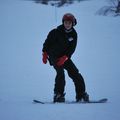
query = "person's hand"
{"x": 61, "y": 60}
{"x": 45, "y": 57}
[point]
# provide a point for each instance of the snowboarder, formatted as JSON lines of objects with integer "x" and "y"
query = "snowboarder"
{"x": 58, "y": 48}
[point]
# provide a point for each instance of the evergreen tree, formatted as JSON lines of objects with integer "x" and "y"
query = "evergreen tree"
{"x": 112, "y": 9}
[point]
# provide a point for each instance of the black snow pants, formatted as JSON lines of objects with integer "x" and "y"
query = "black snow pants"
{"x": 73, "y": 74}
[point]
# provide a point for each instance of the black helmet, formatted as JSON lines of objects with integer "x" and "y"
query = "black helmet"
{"x": 69, "y": 17}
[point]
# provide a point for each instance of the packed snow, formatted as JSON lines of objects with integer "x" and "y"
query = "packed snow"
{"x": 24, "y": 26}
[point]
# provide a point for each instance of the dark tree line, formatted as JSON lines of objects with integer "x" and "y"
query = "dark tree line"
{"x": 58, "y": 3}
{"x": 113, "y": 7}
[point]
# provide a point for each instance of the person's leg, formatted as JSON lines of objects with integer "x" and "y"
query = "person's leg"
{"x": 59, "y": 85}
{"x": 77, "y": 78}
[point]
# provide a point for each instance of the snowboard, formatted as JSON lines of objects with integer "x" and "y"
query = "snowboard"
{"x": 103, "y": 100}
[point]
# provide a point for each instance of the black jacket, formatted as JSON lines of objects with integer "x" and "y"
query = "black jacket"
{"x": 59, "y": 42}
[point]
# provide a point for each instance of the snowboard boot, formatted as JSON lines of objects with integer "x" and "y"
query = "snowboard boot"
{"x": 82, "y": 97}
{"x": 59, "y": 98}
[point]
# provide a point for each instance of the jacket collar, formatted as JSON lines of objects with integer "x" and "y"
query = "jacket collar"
{"x": 62, "y": 28}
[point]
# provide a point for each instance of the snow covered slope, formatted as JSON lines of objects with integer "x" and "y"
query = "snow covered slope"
{"x": 23, "y": 77}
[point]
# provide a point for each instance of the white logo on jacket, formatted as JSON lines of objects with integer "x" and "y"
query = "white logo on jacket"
{"x": 70, "y": 39}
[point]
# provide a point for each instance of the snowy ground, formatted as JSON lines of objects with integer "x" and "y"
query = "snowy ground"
{"x": 23, "y": 77}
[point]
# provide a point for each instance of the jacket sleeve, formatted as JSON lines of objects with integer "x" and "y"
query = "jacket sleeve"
{"x": 72, "y": 47}
{"x": 49, "y": 41}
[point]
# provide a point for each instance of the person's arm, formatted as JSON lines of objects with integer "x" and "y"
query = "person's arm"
{"x": 49, "y": 41}
{"x": 47, "y": 44}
